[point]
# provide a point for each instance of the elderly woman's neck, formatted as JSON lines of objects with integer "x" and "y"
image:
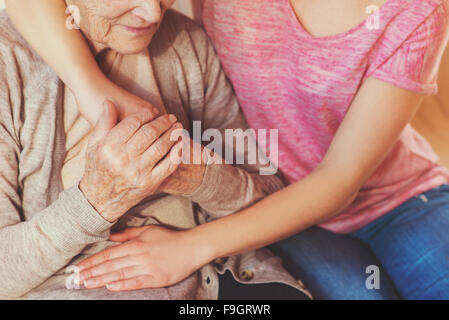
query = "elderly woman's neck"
{"x": 95, "y": 47}
{"x": 103, "y": 55}
{"x": 105, "y": 59}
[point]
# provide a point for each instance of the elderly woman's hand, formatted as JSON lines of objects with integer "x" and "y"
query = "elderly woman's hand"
{"x": 190, "y": 173}
{"x": 127, "y": 162}
{"x": 149, "y": 257}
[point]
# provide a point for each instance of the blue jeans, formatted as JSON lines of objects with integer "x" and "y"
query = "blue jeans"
{"x": 409, "y": 245}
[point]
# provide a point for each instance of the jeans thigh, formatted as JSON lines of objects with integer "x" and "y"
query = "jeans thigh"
{"x": 332, "y": 266}
{"x": 413, "y": 247}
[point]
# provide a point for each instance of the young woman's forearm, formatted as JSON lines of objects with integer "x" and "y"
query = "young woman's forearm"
{"x": 306, "y": 203}
{"x": 43, "y": 25}
{"x": 35, "y": 20}
{"x": 363, "y": 141}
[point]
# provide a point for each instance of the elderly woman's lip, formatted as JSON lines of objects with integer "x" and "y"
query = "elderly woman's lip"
{"x": 138, "y": 30}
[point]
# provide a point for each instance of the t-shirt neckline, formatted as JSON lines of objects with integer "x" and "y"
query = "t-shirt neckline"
{"x": 301, "y": 29}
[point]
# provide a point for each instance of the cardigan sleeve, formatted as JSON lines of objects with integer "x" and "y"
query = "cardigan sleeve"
{"x": 32, "y": 250}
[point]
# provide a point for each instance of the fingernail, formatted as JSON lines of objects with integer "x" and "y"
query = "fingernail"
{"x": 111, "y": 286}
{"x": 172, "y": 118}
{"x": 177, "y": 126}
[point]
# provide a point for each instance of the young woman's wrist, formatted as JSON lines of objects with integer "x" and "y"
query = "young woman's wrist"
{"x": 90, "y": 92}
{"x": 82, "y": 79}
{"x": 204, "y": 250}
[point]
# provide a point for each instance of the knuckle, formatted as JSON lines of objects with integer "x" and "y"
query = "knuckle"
{"x": 159, "y": 149}
{"x": 140, "y": 118}
{"x": 139, "y": 283}
{"x": 133, "y": 148}
{"x": 172, "y": 167}
{"x": 150, "y": 131}
{"x": 87, "y": 274}
{"x": 121, "y": 274}
{"x": 167, "y": 121}
{"x": 141, "y": 185}
{"x": 132, "y": 125}
{"x": 118, "y": 286}
{"x": 104, "y": 151}
{"x": 133, "y": 176}
{"x": 106, "y": 255}
{"x": 117, "y": 163}
{"x": 145, "y": 114}
{"x": 133, "y": 122}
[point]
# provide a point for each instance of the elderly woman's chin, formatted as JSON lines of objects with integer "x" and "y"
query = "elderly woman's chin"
{"x": 131, "y": 47}
{"x": 130, "y": 41}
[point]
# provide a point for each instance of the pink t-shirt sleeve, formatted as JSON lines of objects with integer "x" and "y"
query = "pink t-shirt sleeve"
{"x": 414, "y": 65}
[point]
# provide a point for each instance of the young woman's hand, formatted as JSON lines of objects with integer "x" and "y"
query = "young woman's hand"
{"x": 149, "y": 257}
{"x": 127, "y": 162}
{"x": 91, "y": 94}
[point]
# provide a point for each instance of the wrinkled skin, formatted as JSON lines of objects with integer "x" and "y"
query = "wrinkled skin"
{"x": 127, "y": 162}
{"x": 120, "y": 173}
{"x": 104, "y": 22}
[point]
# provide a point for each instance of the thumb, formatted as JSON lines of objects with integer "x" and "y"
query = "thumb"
{"x": 127, "y": 234}
{"x": 105, "y": 123}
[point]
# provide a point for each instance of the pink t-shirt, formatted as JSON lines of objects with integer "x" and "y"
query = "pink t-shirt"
{"x": 303, "y": 85}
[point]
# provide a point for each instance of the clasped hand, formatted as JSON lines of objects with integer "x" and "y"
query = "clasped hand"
{"x": 125, "y": 163}
{"x": 128, "y": 161}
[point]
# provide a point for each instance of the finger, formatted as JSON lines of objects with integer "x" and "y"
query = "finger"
{"x": 167, "y": 166}
{"x": 127, "y": 234}
{"x": 137, "y": 283}
{"x": 105, "y": 255}
{"x": 109, "y": 266}
{"x": 119, "y": 275}
{"x": 149, "y": 133}
{"x": 106, "y": 122}
{"x": 130, "y": 125}
{"x": 176, "y": 153}
{"x": 159, "y": 149}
